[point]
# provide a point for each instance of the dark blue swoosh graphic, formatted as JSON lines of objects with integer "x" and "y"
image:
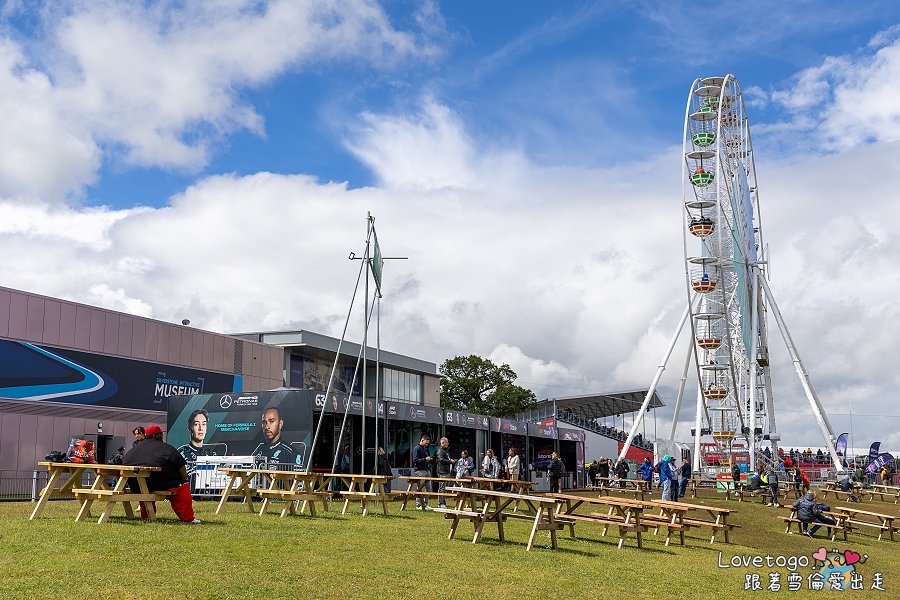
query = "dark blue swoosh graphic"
{"x": 30, "y": 372}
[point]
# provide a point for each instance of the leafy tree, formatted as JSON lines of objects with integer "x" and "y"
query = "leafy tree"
{"x": 477, "y": 385}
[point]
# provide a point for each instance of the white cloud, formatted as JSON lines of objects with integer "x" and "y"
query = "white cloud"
{"x": 574, "y": 276}
{"x": 846, "y": 101}
{"x": 159, "y": 85}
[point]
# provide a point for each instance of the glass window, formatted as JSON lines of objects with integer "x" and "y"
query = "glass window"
{"x": 400, "y": 386}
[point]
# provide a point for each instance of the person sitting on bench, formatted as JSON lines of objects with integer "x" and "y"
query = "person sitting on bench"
{"x": 153, "y": 452}
{"x": 849, "y": 487}
{"x": 810, "y": 511}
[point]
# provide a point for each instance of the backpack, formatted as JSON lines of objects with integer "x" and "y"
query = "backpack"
{"x": 656, "y": 467}
{"x": 56, "y": 456}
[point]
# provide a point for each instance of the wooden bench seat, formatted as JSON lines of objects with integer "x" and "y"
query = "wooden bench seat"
{"x": 414, "y": 493}
{"x": 125, "y": 495}
{"x": 837, "y": 493}
{"x": 842, "y": 526}
{"x": 855, "y": 523}
{"x": 450, "y": 512}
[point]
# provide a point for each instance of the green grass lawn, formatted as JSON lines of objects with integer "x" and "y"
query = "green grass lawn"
{"x": 242, "y": 555}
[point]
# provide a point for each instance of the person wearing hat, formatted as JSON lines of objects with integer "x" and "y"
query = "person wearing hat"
{"x": 118, "y": 457}
{"x": 172, "y": 476}
{"x": 667, "y": 476}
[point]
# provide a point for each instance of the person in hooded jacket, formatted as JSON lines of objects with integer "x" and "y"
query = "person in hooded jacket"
{"x": 810, "y": 511}
{"x": 645, "y": 472}
{"x": 667, "y": 476}
{"x": 847, "y": 486}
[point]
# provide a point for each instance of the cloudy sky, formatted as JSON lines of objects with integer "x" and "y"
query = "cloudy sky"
{"x": 216, "y": 161}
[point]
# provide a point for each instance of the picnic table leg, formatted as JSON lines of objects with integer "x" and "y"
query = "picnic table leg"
{"x": 129, "y": 512}
{"x": 552, "y": 521}
{"x": 265, "y": 505}
{"x": 453, "y": 527}
{"x": 85, "y": 510}
{"x": 534, "y": 528}
{"x": 107, "y": 511}
{"x": 479, "y": 526}
{"x": 45, "y": 494}
{"x": 225, "y": 493}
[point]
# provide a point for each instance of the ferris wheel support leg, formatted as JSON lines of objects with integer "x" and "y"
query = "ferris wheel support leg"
{"x": 684, "y": 376}
{"x": 697, "y": 418}
{"x": 821, "y": 418}
{"x": 659, "y": 372}
{"x": 754, "y": 365}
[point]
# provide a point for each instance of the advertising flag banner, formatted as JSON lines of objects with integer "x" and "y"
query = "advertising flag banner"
{"x": 377, "y": 262}
{"x": 841, "y": 446}
{"x": 881, "y": 460}
{"x": 873, "y": 451}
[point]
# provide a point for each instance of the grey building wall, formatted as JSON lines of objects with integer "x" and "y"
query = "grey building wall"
{"x": 30, "y": 429}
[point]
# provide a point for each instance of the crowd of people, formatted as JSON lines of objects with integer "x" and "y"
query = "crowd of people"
{"x": 673, "y": 479}
{"x": 605, "y": 430}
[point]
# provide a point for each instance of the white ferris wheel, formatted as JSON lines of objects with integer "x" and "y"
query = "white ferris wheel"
{"x": 728, "y": 296}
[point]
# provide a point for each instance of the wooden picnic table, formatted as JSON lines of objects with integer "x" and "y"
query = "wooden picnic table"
{"x": 883, "y": 523}
{"x": 719, "y": 516}
{"x": 301, "y": 487}
{"x": 356, "y": 490}
{"x": 785, "y": 488}
{"x": 56, "y": 485}
{"x": 544, "y": 509}
{"x": 883, "y": 491}
{"x": 697, "y": 483}
{"x": 518, "y": 486}
{"x": 622, "y": 513}
{"x": 833, "y": 487}
{"x": 638, "y": 487}
{"x": 100, "y": 490}
{"x": 304, "y": 487}
{"x": 417, "y": 488}
{"x": 841, "y": 520}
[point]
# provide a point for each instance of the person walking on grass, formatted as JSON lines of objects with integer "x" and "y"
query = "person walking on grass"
{"x": 773, "y": 487}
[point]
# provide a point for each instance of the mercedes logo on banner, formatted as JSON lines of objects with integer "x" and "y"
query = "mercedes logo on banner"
{"x": 225, "y": 401}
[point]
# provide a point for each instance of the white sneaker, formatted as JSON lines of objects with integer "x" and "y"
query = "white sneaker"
{"x": 428, "y": 507}
{"x": 196, "y": 522}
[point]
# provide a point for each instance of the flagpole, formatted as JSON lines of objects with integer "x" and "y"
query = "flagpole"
{"x": 362, "y": 458}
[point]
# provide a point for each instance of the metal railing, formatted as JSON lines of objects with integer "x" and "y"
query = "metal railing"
{"x": 19, "y": 486}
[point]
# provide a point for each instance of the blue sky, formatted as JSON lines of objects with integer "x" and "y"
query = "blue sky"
{"x": 551, "y": 79}
{"x": 215, "y": 161}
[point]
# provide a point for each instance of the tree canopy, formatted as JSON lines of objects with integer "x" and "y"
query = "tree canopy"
{"x": 477, "y": 385}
